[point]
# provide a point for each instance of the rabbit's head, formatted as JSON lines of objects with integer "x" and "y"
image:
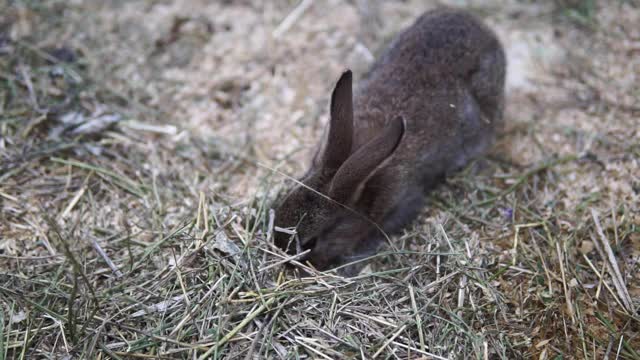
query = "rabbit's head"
{"x": 325, "y": 205}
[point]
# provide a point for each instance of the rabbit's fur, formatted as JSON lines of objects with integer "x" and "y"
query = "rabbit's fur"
{"x": 431, "y": 103}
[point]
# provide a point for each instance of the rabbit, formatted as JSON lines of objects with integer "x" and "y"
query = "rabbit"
{"x": 432, "y": 102}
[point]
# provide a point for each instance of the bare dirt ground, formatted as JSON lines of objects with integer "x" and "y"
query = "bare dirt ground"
{"x": 138, "y": 143}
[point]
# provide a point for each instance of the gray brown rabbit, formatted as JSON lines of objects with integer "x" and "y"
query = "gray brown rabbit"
{"x": 432, "y": 102}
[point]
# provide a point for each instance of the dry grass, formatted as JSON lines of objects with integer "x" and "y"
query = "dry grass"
{"x": 136, "y": 146}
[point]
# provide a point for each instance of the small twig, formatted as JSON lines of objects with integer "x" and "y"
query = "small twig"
{"x": 304, "y": 342}
{"x": 285, "y": 260}
{"x": 255, "y": 340}
{"x": 73, "y": 202}
{"x": 389, "y": 341}
{"x": 194, "y": 311}
{"x": 423, "y": 352}
{"x": 106, "y": 258}
{"x": 418, "y": 318}
{"x": 270, "y": 227}
{"x": 32, "y": 94}
{"x": 602, "y": 281}
{"x": 239, "y": 327}
{"x": 567, "y": 294}
{"x": 293, "y": 16}
{"x": 158, "y": 129}
{"x": 607, "y": 255}
{"x": 199, "y": 211}
{"x": 9, "y": 197}
{"x": 515, "y": 238}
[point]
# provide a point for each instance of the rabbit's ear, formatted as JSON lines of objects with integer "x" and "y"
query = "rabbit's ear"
{"x": 340, "y": 137}
{"x": 365, "y": 160}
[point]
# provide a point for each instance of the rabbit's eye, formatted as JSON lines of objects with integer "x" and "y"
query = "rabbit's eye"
{"x": 309, "y": 244}
{"x": 308, "y": 196}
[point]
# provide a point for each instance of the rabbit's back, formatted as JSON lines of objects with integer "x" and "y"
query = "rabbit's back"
{"x": 445, "y": 75}
{"x": 441, "y": 43}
